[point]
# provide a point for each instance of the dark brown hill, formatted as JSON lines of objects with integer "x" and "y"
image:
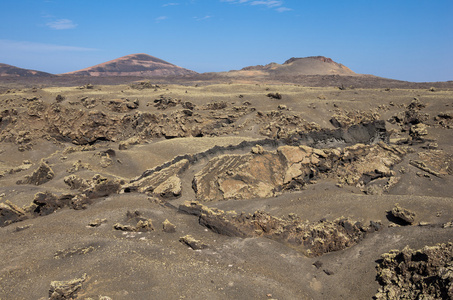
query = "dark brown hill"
{"x": 12, "y": 71}
{"x": 134, "y": 65}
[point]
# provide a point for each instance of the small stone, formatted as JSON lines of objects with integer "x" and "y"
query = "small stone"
{"x": 97, "y": 222}
{"x": 168, "y": 227}
{"x": 193, "y": 243}
{"x": 317, "y": 264}
{"x": 144, "y": 225}
{"x": 328, "y": 272}
{"x": 258, "y": 149}
{"x": 122, "y": 227}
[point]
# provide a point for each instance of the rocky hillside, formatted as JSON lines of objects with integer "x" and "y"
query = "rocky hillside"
{"x": 134, "y": 65}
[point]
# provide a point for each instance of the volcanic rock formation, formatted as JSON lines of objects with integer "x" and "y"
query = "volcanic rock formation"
{"x": 313, "y": 65}
{"x": 416, "y": 274}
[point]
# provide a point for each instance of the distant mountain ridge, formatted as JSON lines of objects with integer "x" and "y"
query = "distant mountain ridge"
{"x": 12, "y": 71}
{"x": 134, "y": 65}
{"x": 144, "y": 65}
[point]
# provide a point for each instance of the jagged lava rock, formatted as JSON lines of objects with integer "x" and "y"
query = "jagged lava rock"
{"x": 426, "y": 273}
{"x": 61, "y": 290}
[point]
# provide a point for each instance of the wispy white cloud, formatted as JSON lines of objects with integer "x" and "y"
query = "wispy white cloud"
{"x": 283, "y": 9}
{"x": 61, "y": 24}
{"x": 170, "y": 4}
{"x": 161, "y": 18}
{"x": 272, "y": 4}
{"x": 38, "y": 47}
{"x": 235, "y": 1}
{"x": 268, "y": 3}
{"x": 202, "y": 18}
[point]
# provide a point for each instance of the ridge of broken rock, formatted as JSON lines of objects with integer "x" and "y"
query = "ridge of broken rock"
{"x": 312, "y": 239}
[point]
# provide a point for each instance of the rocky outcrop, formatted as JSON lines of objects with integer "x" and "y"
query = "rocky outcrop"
{"x": 435, "y": 162}
{"x": 164, "y": 102}
{"x": 267, "y": 173}
{"x": 169, "y": 188}
{"x": 11, "y": 213}
{"x": 426, "y": 273}
{"x": 277, "y": 124}
{"x": 88, "y": 121}
{"x": 41, "y": 175}
{"x": 412, "y": 120}
{"x": 123, "y": 145}
{"x": 81, "y": 127}
{"x": 45, "y": 203}
{"x": 239, "y": 177}
{"x": 406, "y": 216}
{"x": 76, "y": 183}
{"x": 313, "y": 239}
{"x": 97, "y": 187}
{"x": 121, "y": 105}
{"x": 165, "y": 182}
{"x": 361, "y": 164}
{"x": 345, "y": 119}
{"x": 444, "y": 119}
{"x": 100, "y": 186}
{"x": 61, "y": 290}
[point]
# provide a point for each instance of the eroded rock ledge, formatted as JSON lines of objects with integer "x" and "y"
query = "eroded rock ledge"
{"x": 313, "y": 239}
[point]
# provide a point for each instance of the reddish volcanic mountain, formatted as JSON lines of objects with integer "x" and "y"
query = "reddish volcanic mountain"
{"x": 12, "y": 71}
{"x": 134, "y": 65}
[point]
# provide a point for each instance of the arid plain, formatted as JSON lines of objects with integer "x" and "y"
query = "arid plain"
{"x": 227, "y": 186}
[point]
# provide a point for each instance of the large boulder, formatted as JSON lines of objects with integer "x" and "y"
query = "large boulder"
{"x": 10, "y": 213}
{"x": 41, "y": 175}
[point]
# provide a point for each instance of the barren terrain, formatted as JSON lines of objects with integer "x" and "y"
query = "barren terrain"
{"x": 328, "y": 187}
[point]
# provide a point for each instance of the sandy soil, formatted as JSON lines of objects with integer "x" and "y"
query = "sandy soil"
{"x": 61, "y": 246}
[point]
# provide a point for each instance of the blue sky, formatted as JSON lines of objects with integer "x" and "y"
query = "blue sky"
{"x": 401, "y": 39}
